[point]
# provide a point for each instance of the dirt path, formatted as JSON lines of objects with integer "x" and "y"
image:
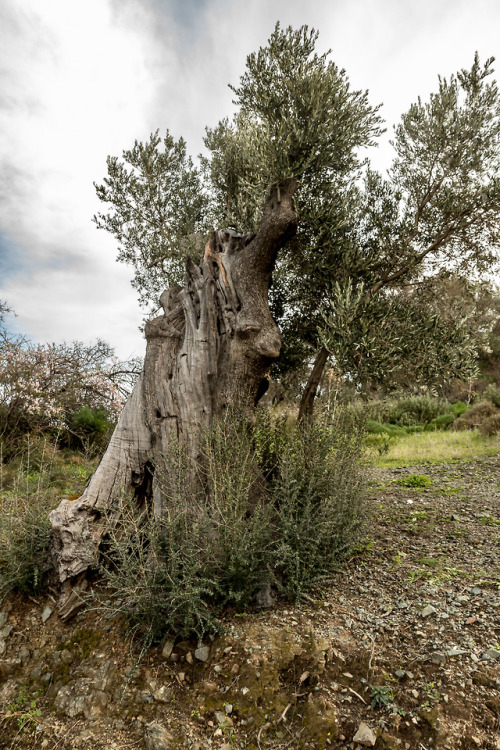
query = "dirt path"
{"x": 405, "y": 640}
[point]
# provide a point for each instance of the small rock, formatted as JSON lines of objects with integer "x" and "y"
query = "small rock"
{"x": 438, "y": 658}
{"x": 456, "y": 652}
{"x": 429, "y": 610}
{"x": 399, "y": 673}
{"x": 202, "y": 653}
{"x": 245, "y": 690}
{"x": 168, "y": 647}
{"x": 163, "y": 694}
{"x": 3, "y": 618}
{"x": 7, "y": 631}
{"x": 228, "y": 708}
{"x": 492, "y": 653}
{"x": 46, "y": 614}
{"x": 189, "y": 657}
{"x": 3, "y": 647}
{"x": 220, "y": 718}
{"x": 157, "y": 738}
{"x": 476, "y": 591}
{"x": 365, "y": 736}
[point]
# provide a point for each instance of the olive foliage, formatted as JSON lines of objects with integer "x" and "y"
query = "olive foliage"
{"x": 367, "y": 246}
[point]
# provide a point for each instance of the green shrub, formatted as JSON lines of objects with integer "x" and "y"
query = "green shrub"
{"x": 440, "y": 423}
{"x": 458, "y": 408}
{"x": 393, "y": 430}
{"x": 381, "y": 442}
{"x": 415, "y": 410}
{"x": 220, "y": 532}
{"x": 88, "y": 429}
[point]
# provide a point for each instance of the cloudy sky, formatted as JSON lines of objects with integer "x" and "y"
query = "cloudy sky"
{"x": 81, "y": 79}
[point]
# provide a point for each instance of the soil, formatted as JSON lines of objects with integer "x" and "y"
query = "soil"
{"x": 401, "y": 649}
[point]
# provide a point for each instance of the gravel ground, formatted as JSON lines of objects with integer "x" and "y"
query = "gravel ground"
{"x": 401, "y": 649}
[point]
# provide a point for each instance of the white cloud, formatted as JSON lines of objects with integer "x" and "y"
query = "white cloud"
{"x": 81, "y": 80}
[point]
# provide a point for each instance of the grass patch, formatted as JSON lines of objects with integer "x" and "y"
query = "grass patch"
{"x": 415, "y": 480}
{"x": 438, "y": 447}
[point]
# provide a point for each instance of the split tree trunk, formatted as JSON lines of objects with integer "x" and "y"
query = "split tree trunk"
{"x": 210, "y": 349}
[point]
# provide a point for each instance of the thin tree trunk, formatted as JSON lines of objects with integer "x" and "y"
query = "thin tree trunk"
{"x": 210, "y": 349}
{"x": 307, "y": 403}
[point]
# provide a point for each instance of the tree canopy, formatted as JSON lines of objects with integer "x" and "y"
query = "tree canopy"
{"x": 362, "y": 238}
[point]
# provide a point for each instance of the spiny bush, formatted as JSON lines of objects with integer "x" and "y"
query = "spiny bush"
{"x": 224, "y": 527}
{"x": 319, "y": 495}
{"x": 24, "y": 544}
{"x": 205, "y": 545}
{"x": 490, "y": 426}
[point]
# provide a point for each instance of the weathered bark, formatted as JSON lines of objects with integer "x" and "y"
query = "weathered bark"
{"x": 211, "y": 348}
{"x": 307, "y": 402}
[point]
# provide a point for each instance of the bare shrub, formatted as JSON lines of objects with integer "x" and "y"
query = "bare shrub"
{"x": 475, "y": 416}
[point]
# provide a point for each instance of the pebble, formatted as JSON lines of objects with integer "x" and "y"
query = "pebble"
{"x": 493, "y": 654}
{"x": 429, "y": 610}
{"x": 365, "y": 735}
{"x": 202, "y": 653}
{"x": 46, "y": 614}
{"x": 167, "y": 649}
{"x": 163, "y": 694}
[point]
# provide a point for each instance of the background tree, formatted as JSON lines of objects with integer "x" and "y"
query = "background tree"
{"x": 70, "y": 390}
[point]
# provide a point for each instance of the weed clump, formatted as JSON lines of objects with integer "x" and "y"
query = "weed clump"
{"x": 416, "y": 480}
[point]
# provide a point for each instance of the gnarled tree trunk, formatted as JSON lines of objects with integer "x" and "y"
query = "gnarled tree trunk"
{"x": 211, "y": 348}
